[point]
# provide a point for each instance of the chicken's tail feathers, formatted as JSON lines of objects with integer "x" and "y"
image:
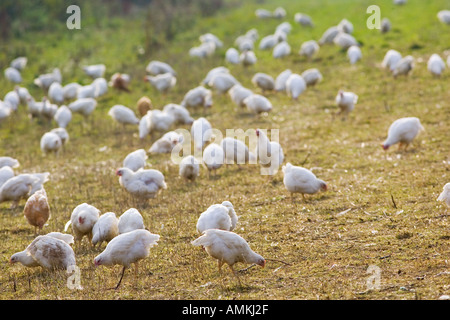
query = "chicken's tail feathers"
{"x": 66, "y": 227}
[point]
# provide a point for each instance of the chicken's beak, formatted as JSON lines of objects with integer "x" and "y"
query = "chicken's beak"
{"x": 385, "y": 147}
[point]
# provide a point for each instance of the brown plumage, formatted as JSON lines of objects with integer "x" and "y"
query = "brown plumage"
{"x": 37, "y": 210}
{"x": 120, "y": 81}
{"x": 144, "y": 104}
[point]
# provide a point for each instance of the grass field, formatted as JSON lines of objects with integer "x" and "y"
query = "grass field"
{"x": 380, "y": 208}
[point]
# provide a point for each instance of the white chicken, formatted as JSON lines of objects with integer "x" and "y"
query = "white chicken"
{"x": 37, "y": 210}
{"x": 345, "y": 40}
{"x": 55, "y": 93}
{"x": 213, "y": 157}
{"x": 444, "y": 16}
{"x": 404, "y": 66}
{"x": 295, "y": 86}
{"x": 257, "y": 103}
{"x": 142, "y": 184}
{"x": 354, "y": 54}
{"x": 214, "y": 71}
{"x": 269, "y": 153}
{"x": 445, "y": 195}
{"x": 6, "y": 173}
{"x": 218, "y": 216}
{"x": 345, "y": 26}
{"x": 312, "y": 77}
{"x": 50, "y": 142}
{"x": 201, "y": 132}
{"x": 157, "y": 67}
{"x": 63, "y": 116}
{"x": 222, "y": 82}
{"x": 135, "y": 160}
{"x": 198, "y": 97}
{"x": 436, "y": 64}
{"x": 402, "y": 131}
{"x": 70, "y": 90}
{"x": 329, "y": 35}
{"x": 6, "y": 161}
{"x": 84, "y": 106}
{"x": 95, "y": 70}
{"x": 263, "y": 81}
{"x": 63, "y": 135}
{"x": 309, "y": 48}
{"x": 162, "y": 82}
{"x": 238, "y": 93}
{"x": 228, "y": 247}
{"x": 44, "y": 81}
{"x": 268, "y": 42}
{"x": 301, "y": 180}
{"x": 180, "y": 114}
{"x": 123, "y": 115}
{"x": 232, "y": 56}
{"x": 281, "y": 50}
{"x": 236, "y": 152}
{"x": 105, "y": 229}
{"x": 48, "y": 252}
{"x": 189, "y": 168}
{"x": 280, "y": 81}
{"x": 303, "y": 19}
{"x": 390, "y": 60}
{"x": 130, "y": 220}
{"x": 22, "y": 186}
{"x": 127, "y": 248}
{"x": 82, "y": 220}
{"x": 346, "y": 101}
{"x": 13, "y": 75}
{"x": 247, "y": 58}
{"x": 166, "y": 143}
{"x": 19, "y": 63}
{"x": 155, "y": 121}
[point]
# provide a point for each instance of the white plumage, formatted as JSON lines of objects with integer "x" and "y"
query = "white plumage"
{"x": 402, "y": 131}
{"x": 198, "y": 97}
{"x": 404, "y": 66}
{"x": 301, "y": 180}
{"x": 236, "y": 152}
{"x": 13, "y": 75}
{"x": 232, "y": 56}
{"x": 135, "y": 160}
{"x": 130, "y": 220}
{"x": 87, "y": 91}
{"x": 50, "y": 142}
{"x": 157, "y": 67}
{"x": 83, "y": 106}
{"x": 303, "y": 19}
{"x": 269, "y": 153}
{"x": 263, "y": 13}
{"x": 345, "y": 26}
{"x": 142, "y": 184}
{"x": 390, "y": 60}
{"x": 166, "y": 143}
{"x": 247, "y": 58}
{"x": 257, "y": 103}
{"x": 268, "y": 42}
{"x": 295, "y": 85}
{"x": 19, "y": 63}
{"x": 44, "y": 81}
{"x": 127, "y": 248}
{"x": 445, "y": 195}
{"x": 329, "y": 35}
{"x": 312, "y": 76}
{"x": 6, "y": 173}
{"x": 214, "y": 71}
{"x": 162, "y": 82}
{"x": 263, "y": 81}
{"x": 280, "y": 81}
{"x": 238, "y": 93}
{"x": 48, "y": 252}
{"x": 228, "y": 247}
{"x": 95, "y": 71}
{"x": 56, "y": 93}
{"x": 6, "y": 161}
{"x": 309, "y": 48}
{"x": 123, "y": 115}
{"x": 105, "y": 229}
{"x": 213, "y": 157}
{"x": 344, "y": 40}
{"x": 354, "y": 54}
{"x": 346, "y": 101}
{"x": 436, "y": 65}
{"x": 201, "y": 131}
{"x": 444, "y": 16}
{"x": 63, "y": 135}
{"x": 63, "y": 116}
{"x": 12, "y": 99}
{"x": 218, "y": 216}
{"x": 281, "y": 50}
{"x": 22, "y": 186}
{"x": 82, "y": 220}
{"x": 222, "y": 82}
{"x": 189, "y": 168}
{"x": 70, "y": 90}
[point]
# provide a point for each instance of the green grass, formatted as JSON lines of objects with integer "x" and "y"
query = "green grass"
{"x": 328, "y": 249}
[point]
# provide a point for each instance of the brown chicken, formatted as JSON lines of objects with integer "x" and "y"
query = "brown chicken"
{"x": 120, "y": 81}
{"x": 144, "y": 104}
{"x": 37, "y": 210}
